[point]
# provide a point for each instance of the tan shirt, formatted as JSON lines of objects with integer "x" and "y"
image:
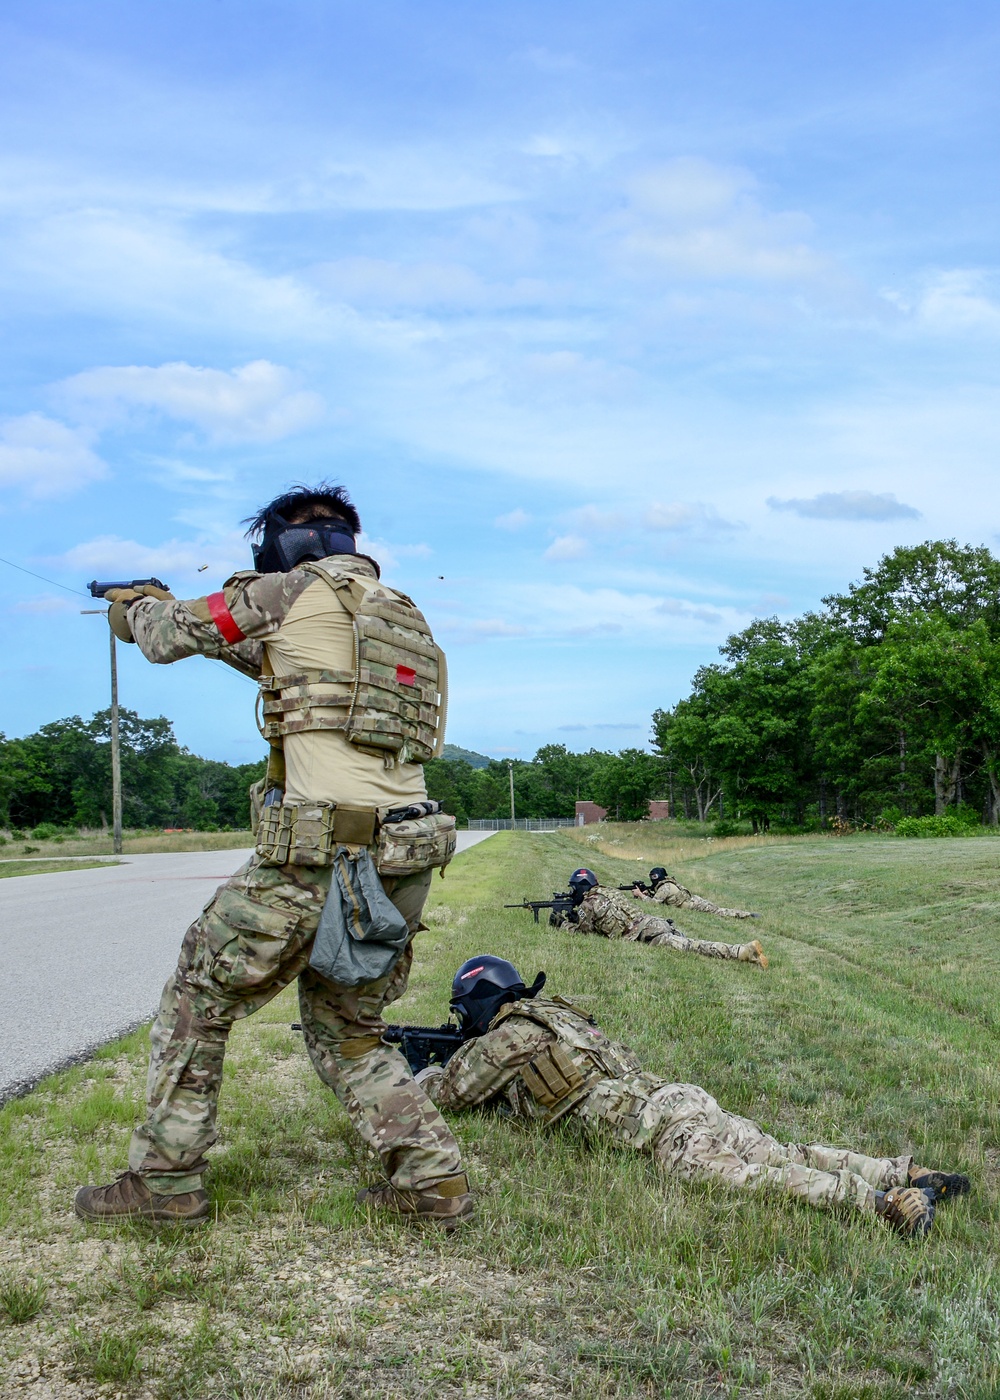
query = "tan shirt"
{"x": 322, "y": 764}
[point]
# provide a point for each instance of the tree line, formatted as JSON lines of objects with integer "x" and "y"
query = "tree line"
{"x": 881, "y": 706}
{"x": 61, "y": 776}
{"x": 550, "y": 784}
{"x": 884, "y": 704}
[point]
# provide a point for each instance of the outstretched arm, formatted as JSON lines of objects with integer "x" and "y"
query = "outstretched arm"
{"x": 230, "y": 624}
{"x": 485, "y": 1066}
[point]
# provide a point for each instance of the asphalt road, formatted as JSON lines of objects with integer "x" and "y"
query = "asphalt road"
{"x": 86, "y": 952}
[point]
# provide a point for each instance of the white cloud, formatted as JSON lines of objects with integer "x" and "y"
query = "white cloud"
{"x": 702, "y": 220}
{"x": 680, "y": 516}
{"x": 389, "y": 555}
{"x": 258, "y": 401}
{"x": 112, "y": 557}
{"x": 567, "y": 547}
{"x": 513, "y": 520}
{"x": 378, "y": 282}
{"x": 46, "y": 458}
{"x": 848, "y": 505}
{"x": 597, "y": 519}
{"x": 482, "y": 630}
{"x": 677, "y": 607}
{"x": 956, "y": 301}
{"x": 568, "y": 610}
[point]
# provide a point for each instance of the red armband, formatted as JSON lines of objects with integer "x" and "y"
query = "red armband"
{"x": 224, "y": 619}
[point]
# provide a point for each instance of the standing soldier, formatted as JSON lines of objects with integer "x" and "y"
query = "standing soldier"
{"x": 666, "y": 890}
{"x": 544, "y": 1059}
{"x": 613, "y": 914}
{"x": 353, "y": 689}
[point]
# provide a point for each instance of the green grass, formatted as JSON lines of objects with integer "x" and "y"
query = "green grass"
{"x": 9, "y": 868}
{"x": 97, "y": 843}
{"x": 588, "y": 1273}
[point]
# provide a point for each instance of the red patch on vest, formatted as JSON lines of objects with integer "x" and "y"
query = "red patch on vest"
{"x": 406, "y": 675}
{"x": 224, "y": 619}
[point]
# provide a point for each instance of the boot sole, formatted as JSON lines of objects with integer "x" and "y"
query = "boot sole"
{"x": 144, "y": 1217}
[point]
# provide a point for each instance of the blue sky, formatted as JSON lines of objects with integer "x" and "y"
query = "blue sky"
{"x": 623, "y": 324}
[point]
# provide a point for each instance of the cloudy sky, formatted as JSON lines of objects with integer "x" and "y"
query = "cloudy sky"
{"x": 624, "y": 324}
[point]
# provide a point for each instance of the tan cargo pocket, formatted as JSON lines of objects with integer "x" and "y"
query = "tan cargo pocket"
{"x": 426, "y": 843}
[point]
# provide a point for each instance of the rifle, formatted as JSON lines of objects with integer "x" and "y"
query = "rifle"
{"x": 98, "y": 590}
{"x": 426, "y": 1045}
{"x": 421, "y": 1045}
{"x": 559, "y": 904}
{"x": 638, "y": 885}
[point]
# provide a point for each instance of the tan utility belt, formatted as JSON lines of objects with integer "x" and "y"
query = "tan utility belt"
{"x": 310, "y": 833}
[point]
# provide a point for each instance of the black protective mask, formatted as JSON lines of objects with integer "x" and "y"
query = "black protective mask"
{"x": 283, "y": 545}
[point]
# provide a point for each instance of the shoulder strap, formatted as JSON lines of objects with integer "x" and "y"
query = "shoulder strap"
{"x": 348, "y": 587}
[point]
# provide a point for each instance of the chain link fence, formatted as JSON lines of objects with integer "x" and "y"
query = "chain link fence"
{"x": 523, "y": 823}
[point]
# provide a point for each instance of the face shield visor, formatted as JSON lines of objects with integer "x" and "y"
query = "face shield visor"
{"x": 283, "y": 546}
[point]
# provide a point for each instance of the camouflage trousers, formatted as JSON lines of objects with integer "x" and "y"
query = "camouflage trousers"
{"x": 688, "y": 1133}
{"x": 252, "y": 938}
{"x": 662, "y": 933}
{"x": 705, "y": 906}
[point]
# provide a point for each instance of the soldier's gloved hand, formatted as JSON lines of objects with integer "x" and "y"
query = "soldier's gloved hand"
{"x": 121, "y": 599}
{"x": 429, "y": 1080}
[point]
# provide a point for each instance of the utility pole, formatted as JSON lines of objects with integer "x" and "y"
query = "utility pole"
{"x": 116, "y": 756}
{"x": 510, "y": 774}
{"x": 116, "y": 753}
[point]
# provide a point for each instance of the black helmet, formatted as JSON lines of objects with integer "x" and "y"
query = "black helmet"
{"x": 482, "y": 985}
{"x": 657, "y": 875}
{"x": 581, "y": 882}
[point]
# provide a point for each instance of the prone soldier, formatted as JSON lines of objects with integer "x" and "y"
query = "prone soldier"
{"x": 665, "y": 889}
{"x": 612, "y": 914}
{"x": 353, "y": 689}
{"x": 542, "y": 1059}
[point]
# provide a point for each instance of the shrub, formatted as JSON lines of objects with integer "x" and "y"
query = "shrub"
{"x": 45, "y": 831}
{"x": 962, "y": 821}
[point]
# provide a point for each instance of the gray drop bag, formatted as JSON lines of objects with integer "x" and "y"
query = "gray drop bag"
{"x": 361, "y": 933}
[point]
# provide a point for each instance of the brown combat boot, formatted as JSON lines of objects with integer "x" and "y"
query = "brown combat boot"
{"x": 907, "y": 1209}
{"x": 753, "y": 953}
{"x": 943, "y": 1184}
{"x": 129, "y": 1198}
{"x": 447, "y": 1204}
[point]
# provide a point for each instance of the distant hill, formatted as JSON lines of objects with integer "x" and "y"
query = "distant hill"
{"x": 475, "y": 760}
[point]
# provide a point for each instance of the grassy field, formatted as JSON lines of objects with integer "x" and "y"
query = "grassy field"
{"x": 135, "y": 843}
{"x": 46, "y": 867}
{"x": 588, "y": 1274}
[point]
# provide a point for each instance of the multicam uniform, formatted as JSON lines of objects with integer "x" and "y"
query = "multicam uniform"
{"x": 669, "y": 891}
{"x": 613, "y": 914}
{"x": 547, "y": 1058}
{"x": 255, "y": 934}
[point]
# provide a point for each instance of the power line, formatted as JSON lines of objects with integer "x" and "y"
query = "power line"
{"x": 54, "y": 584}
{"x": 20, "y": 567}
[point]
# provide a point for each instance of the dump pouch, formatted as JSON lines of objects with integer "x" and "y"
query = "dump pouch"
{"x": 361, "y": 933}
{"x": 423, "y": 843}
